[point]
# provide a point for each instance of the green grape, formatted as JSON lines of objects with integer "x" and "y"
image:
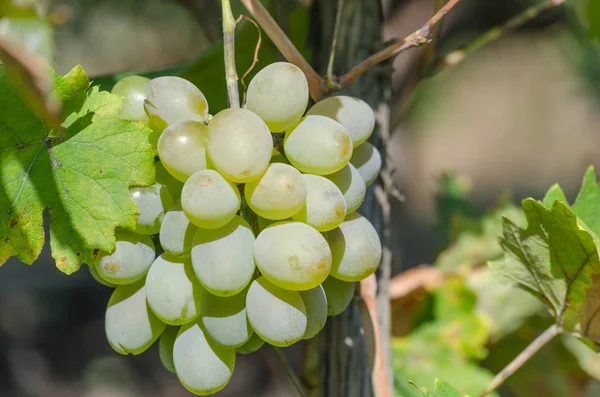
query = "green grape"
{"x": 353, "y": 113}
{"x": 172, "y": 290}
{"x": 339, "y": 294}
{"x": 318, "y": 145}
{"x": 355, "y": 248}
{"x": 367, "y": 160}
{"x": 130, "y": 260}
{"x": 279, "y": 95}
{"x": 278, "y": 194}
{"x": 225, "y": 320}
{"x": 130, "y": 325}
{"x": 202, "y": 366}
{"x": 176, "y": 232}
{"x": 99, "y": 279}
{"x": 292, "y": 255}
{"x": 163, "y": 177}
{"x": 182, "y": 148}
{"x": 239, "y": 145}
{"x": 165, "y": 347}
{"x": 209, "y": 200}
{"x": 152, "y": 202}
{"x": 277, "y": 315}
{"x": 351, "y": 184}
{"x": 170, "y": 99}
{"x": 264, "y": 223}
{"x": 253, "y": 344}
{"x": 133, "y": 91}
{"x": 325, "y": 207}
{"x": 315, "y": 302}
{"x": 223, "y": 258}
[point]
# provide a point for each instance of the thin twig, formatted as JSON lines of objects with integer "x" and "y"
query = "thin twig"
{"x": 521, "y": 359}
{"x": 527, "y": 15}
{"x": 290, "y": 372}
{"x": 336, "y": 30}
{"x": 285, "y": 46}
{"x": 229, "y": 47}
{"x": 256, "y": 50}
{"x": 418, "y": 38}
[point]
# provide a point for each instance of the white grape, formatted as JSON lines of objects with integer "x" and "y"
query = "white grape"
{"x": 279, "y": 95}
{"x": 315, "y": 302}
{"x": 367, "y": 160}
{"x": 170, "y": 99}
{"x": 355, "y": 248}
{"x": 165, "y": 347}
{"x": 351, "y": 184}
{"x": 209, "y": 200}
{"x": 176, "y": 232}
{"x": 253, "y": 344}
{"x": 182, "y": 148}
{"x": 353, "y": 113}
{"x": 130, "y": 325}
{"x": 172, "y": 290}
{"x": 99, "y": 279}
{"x": 278, "y": 194}
{"x": 339, "y": 294}
{"x": 223, "y": 258}
{"x": 133, "y": 91}
{"x": 325, "y": 206}
{"x": 174, "y": 186}
{"x": 277, "y": 315}
{"x": 130, "y": 260}
{"x": 292, "y": 255}
{"x": 202, "y": 366}
{"x": 152, "y": 202}
{"x": 239, "y": 144}
{"x": 225, "y": 319}
{"x": 318, "y": 145}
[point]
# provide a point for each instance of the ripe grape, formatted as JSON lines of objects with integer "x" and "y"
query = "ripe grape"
{"x": 292, "y": 255}
{"x": 277, "y": 315}
{"x": 279, "y": 95}
{"x": 278, "y": 194}
{"x": 223, "y": 258}
{"x": 253, "y": 344}
{"x": 339, "y": 294}
{"x": 351, "y": 184}
{"x": 99, "y": 279}
{"x": 367, "y": 160}
{"x": 170, "y": 99}
{"x": 131, "y": 327}
{"x": 165, "y": 347}
{"x": 239, "y": 144}
{"x": 318, "y": 145}
{"x": 182, "y": 148}
{"x": 133, "y": 91}
{"x": 225, "y": 319}
{"x": 209, "y": 200}
{"x": 172, "y": 290}
{"x": 152, "y": 202}
{"x": 315, "y": 302}
{"x": 130, "y": 260}
{"x": 325, "y": 206}
{"x": 176, "y": 232}
{"x": 202, "y": 366}
{"x": 355, "y": 248}
{"x": 353, "y": 113}
{"x": 163, "y": 177}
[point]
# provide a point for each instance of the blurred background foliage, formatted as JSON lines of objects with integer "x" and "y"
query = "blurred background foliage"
{"x": 510, "y": 120}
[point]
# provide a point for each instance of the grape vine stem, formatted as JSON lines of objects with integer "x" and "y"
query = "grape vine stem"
{"x": 521, "y": 359}
{"x": 418, "y": 38}
{"x": 231, "y": 77}
{"x": 331, "y": 83}
{"x": 290, "y": 372}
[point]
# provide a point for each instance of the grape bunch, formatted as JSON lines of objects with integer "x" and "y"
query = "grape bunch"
{"x": 250, "y": 233}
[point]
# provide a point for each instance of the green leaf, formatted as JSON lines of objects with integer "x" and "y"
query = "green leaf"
{"x": 587, "y": 203}
{"x": 556, "y": 259}
{"x": 81, "y": 177}
{"x": 555, "y": 193}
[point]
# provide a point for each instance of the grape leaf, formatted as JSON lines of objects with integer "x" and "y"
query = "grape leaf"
{"x": 442, "y": 389}
{"x": 81, "y": 176}
{"x": 556, "y": 259}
